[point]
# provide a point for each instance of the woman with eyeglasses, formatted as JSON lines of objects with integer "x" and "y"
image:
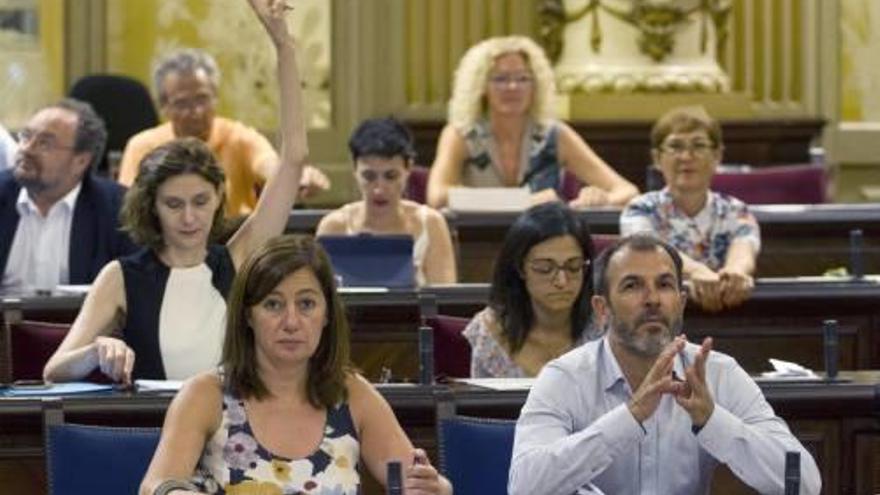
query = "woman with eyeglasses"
{"x": 382, "y": 152}
{"x": 716, "y": 234}
{"x": 539, "y": 302}
{"x": 502, "y": 131}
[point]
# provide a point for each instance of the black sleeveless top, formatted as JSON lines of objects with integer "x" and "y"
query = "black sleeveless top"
{"x": 146, "y": 278}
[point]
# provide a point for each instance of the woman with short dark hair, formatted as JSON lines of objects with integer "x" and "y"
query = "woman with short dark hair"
{"x": 539, "y": 302}
{"x": 383, "y": 156}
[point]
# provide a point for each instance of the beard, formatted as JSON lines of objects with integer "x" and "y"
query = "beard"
{"x": 28, "y": 173}
{"x": 650, "y": 344}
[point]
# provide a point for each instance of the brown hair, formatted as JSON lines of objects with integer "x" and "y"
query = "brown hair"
{"x": 181, "y": 156}
{"x": 685, "y": 119}
{"x": 260, "y": 274}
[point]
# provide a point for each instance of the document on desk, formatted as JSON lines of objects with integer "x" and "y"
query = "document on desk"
{"x": 785, "y": 371}
{"x": 72, "y": 388}
{"x": 158, "y": 385}
{"x": 72, "y": 289}
{"x": 500, "y": 383}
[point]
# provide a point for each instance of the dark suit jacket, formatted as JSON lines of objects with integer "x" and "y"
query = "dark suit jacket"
{"x": 95, "y": 238}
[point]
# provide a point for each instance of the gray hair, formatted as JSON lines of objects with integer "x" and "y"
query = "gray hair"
{"x": 185, "y": 61}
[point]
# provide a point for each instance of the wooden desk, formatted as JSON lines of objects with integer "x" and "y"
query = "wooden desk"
{"x": 783, "y": 319}
{"x": 797, "y": 239}
{"x": 837, "y": 422}
{"x": 625, "y": 144}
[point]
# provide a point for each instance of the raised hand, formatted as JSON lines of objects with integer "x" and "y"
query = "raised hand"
{"x": 271, "y": 15}
{"x": 696, "y": 398}
{"x": 657, "y": 382}
{"x": 115, "y": 359}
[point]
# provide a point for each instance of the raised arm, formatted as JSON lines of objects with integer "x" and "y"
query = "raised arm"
{"x": 86, "y": 345}
{"x": 447, "y": 167}
{"x": 192, "y": 418}
{"x": 604, "y": 185}
{"x": 270, "y": 216}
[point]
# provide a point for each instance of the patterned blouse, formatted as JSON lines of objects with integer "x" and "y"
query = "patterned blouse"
{"x": 489, "y": 359}
{"x": 704, "y": 237}
{"x": 539, "y": 165}
{"x": 235, "y": 463}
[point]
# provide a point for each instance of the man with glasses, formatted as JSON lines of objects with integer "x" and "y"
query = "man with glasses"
{"x": 716, "y": 235}
{"x": 58, "y": 221}
{"x": 641, "y": 410}
{"x": 186, "y": 83}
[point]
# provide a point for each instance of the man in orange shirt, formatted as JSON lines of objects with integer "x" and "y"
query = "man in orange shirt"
{"x": 186, "y": 83}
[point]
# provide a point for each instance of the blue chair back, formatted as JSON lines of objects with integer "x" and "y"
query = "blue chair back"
{"x": 85, "y": 459}
{"x": 475, "y": 453}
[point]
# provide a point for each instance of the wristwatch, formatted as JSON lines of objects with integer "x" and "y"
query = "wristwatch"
{"x": 169, "y": 486}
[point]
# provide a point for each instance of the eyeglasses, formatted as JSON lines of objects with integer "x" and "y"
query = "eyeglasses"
{"x": 508, "y": 80}
{"x": 547, "y": 268}
{"x": 190, "y": 103}
{"x": 701, "y": 148}
{"x": 39, "y": 141}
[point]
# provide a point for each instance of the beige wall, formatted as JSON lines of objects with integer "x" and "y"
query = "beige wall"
{"x": 376, "y": 57}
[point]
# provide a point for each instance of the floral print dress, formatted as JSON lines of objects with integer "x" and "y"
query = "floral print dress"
{"x": 234, "y": 462}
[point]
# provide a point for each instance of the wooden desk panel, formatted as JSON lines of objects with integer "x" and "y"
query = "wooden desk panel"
{"x": 783, "y": 319}
{"x": 797, "y": 239}
{"x": 626, "y": 144}
{"x": 837, "y": 422}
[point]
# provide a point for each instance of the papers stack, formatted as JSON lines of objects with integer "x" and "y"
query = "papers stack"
{"x": 788, "y": 371}
{"x": 158, "y": 385}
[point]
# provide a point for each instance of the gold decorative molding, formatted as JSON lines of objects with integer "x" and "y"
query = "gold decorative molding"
{"x": 656, "y": 22}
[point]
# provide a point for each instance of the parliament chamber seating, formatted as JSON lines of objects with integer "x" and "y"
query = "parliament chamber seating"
{"x": 85, "y": 459}
{"x": 474, "y": 452}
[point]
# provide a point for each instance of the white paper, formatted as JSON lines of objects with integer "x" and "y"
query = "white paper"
{"x": 158, "y": 385}
{"x": 500, "y": 383}
{"x": 73, "y": 289}
{"x": 786, "y": 370}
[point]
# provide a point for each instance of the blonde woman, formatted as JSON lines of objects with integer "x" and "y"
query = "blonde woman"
{"x": 502, "y": 131}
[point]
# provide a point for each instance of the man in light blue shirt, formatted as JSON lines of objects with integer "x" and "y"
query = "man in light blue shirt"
{"x": 641, "y": 411}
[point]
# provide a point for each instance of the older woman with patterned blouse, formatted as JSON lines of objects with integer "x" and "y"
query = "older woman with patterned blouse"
{"x": 716, "y": 234}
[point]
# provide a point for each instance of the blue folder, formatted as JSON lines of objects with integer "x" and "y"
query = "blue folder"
{"x": 367, "y": 260}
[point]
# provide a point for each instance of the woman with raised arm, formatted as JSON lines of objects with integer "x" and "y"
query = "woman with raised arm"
{"x": 284, "y": 412}
{"x": 502, "y": 131}
{"x": 160, "y": 312}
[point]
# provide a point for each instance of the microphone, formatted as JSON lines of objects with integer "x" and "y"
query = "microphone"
{"x": 829, "y": 345}
{"x": 426, "y": 355}
{"x": 792, "y": 473}
{"x": 856, "y": 265}
{"x": 394, "y": 478}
